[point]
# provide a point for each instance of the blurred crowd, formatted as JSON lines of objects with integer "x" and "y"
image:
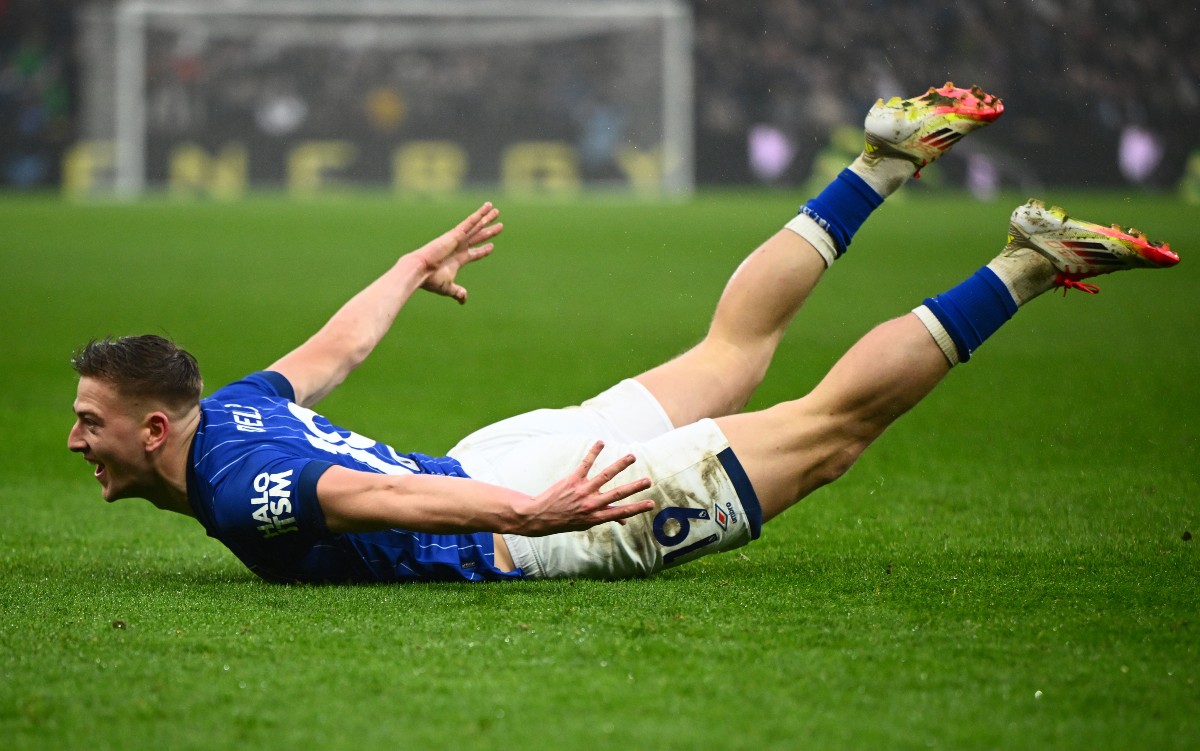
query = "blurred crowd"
{"x": 37, "y": 100}
{"x": 1083, "y": 80}
{"x": 1099, "y": 92}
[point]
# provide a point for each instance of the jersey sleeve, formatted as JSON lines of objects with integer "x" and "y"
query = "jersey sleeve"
{"x": 270, "y": 500}
{"x": 262, "y": 383}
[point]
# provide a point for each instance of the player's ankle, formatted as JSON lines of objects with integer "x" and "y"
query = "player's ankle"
{"x": 885, "y": 175}
{"x": 1024, "y": 272}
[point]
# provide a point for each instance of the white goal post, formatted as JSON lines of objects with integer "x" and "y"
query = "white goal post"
{"x": 405, "y": 95}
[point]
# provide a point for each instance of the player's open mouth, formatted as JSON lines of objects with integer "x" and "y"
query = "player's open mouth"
{"x": 98, "y": 472}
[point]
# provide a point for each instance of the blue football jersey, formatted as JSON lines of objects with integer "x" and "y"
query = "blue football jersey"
{"x": 252, "y": 482}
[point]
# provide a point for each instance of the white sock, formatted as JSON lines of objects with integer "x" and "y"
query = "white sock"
{"x": 1025, "y": 272}
{"x": 804, "y": 226}
{"x": 884, "y": 175}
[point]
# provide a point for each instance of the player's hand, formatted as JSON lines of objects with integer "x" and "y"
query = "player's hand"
{"x": 575, "y": 502}
{"x": 444, "y": 256}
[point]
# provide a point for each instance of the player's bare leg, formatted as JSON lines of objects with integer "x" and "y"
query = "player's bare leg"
{"x": 793, "y": 448}
{"x": 718, "y": 376}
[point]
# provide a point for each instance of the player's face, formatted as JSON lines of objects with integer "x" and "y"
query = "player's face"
{"x": 111, "y": 439}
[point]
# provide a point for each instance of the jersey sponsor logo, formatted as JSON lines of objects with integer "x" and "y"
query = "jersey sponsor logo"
{"x": 721, "y": 518}
{"x": 273, "y": 501}
{"x": 247, "y": 419}
{"x": 352, "y": 444}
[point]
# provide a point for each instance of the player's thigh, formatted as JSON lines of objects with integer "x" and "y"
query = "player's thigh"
{"x": 789, "y": 450}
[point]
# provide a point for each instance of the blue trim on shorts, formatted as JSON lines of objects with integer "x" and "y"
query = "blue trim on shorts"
{"x": 745, "y": 491}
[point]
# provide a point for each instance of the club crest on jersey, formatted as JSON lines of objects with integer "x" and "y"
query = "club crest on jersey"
{"x": 273, "y": 501}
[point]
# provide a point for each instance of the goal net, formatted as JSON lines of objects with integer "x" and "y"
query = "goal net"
{"x": 412, "y": 96}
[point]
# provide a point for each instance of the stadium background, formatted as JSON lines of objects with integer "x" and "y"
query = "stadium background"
{"x": 1120, "y": 76}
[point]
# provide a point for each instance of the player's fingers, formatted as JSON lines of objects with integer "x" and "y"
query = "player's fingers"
{"x": 623, "y": 512}
{"x": 481, "y": 251}
{"x": 472, "y": 222}
{"x": 466, "y": 232}
{"x": 589, "y": 459}
{"x": 622, "y": 492}
{"x": 482, "y": 228}
{"x": 478, "y": 251}
{"x": 603, "y": 476}
{"x": 485, "y": 233}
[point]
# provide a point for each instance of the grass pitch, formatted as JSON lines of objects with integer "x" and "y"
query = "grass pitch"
{"x": 1006, "y": 568}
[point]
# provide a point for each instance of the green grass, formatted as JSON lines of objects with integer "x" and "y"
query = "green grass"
{"x": 1020, "y": 532}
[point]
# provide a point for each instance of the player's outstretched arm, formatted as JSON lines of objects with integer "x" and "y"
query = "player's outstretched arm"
{"x": 320, "y": 364}
{"x": 355, "y": 501}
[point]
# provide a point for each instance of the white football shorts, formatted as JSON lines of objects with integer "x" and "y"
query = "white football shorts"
{"x": 704, "y": 500}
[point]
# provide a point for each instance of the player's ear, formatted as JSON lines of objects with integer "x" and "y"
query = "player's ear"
{"x": 157, "y": 426}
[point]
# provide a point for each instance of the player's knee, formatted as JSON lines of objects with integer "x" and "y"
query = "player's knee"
{"x": 833, "y": 456}
{"x": 839, "y": 461}
{"x": 743, "y": 363}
